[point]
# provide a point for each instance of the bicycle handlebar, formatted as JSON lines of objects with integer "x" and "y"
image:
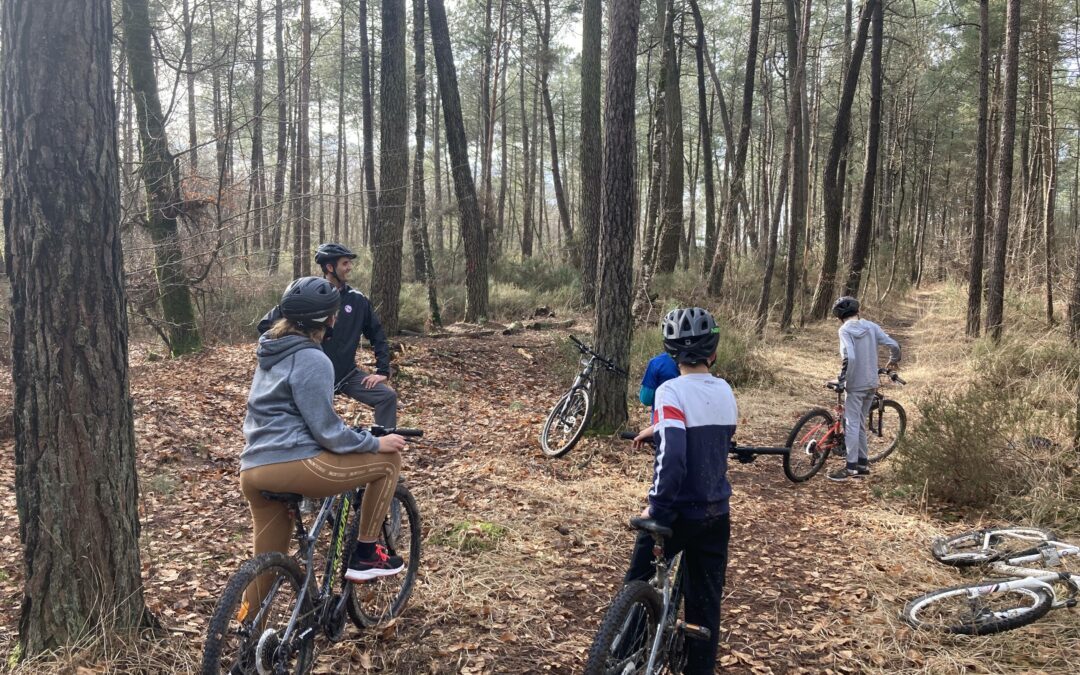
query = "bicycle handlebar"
{"x": 376, "y": 430}
{"x": 893, "y": 375}
{"x": 745, "y": 453}
{"x": 586, "y": 349}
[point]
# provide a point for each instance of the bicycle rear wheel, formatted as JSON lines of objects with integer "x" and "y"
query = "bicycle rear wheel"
{"x": 985, "y": 546}
{"x": 243, "y": 638}
{"x": 377, "y": 600}
{"x": 884, "y": 430}
{"x": 953, "y": 610}
{"x": 809, "y": 447}
{"x": 566, "y": 423}
{"x": 626, "y": 634}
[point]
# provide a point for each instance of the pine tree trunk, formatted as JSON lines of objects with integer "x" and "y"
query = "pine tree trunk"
{"x": 342, "y": 166}
{"x": 591, "y": 146}
{"x": 189, "y": 59}
{"x": 282, "y": 139}
{"x": 527, "y": 154}
{"x": 705, "y": 123}
{"x": 302, "y": 238}
{"x": 162, "y": 182}
{"x": 76, "y": 488}
{"x": 371, "y": 221}
{"x": 614, "y": 322}
{"x": 393, "y": 167}
{"x": 476, "y": 278}
{"x": 861, "y": 245}
{"x": 670, "y": 230}
{"x": 544, "y": 28}
{"x": 735, "y": 194}
{"x": 797, "y": 39}
{"x": 833, "y": 178}
{"x": 258, "y": 180}
{"x": 424, "y": 267}
{"x": 995, "y": 290}
{"x": 978, "y": 225}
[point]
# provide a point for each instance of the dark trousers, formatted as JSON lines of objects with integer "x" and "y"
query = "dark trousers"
{"x": 381, "y": 397}
{"x": 705, "y": 552}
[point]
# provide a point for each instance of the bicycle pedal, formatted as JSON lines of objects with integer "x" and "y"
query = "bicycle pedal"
{"x": 694, "y": 631}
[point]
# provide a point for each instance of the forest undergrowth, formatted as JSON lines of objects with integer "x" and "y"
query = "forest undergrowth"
{"x": 521, "y": 554}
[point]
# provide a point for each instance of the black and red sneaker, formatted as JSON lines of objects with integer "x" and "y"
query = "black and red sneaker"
{"x": 381, "y": 565}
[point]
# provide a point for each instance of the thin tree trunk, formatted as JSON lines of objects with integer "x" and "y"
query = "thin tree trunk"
{"x": 527, "y": 151}
{"x": 193, "y": 132}
{"x": 978, "y": 225}
{"x": 476, "y": 281}
{"x": 342, "y": 162}
{"x": 425, "y": 268}
{"x": 371, "y": 221}
{"x": 995, "y": 290}
{"x": 76, "y": 487}
{"x": 258, "y": 179}
{"x": 282, "y": 137}
{"x": 591, "y": 146}
{"x": 705, "y": 125}
{"x": 670, "y": 232}
{"x": 797, "y": 211}
{"x": 544, "y": 27}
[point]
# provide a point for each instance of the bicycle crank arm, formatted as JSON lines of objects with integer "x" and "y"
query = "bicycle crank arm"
{"x": 694, "y": 631}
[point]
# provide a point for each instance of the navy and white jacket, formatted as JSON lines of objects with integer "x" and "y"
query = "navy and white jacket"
{"x": 695, "y": 417}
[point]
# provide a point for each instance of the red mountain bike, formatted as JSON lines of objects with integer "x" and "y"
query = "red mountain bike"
{"x": 820, "y": 433}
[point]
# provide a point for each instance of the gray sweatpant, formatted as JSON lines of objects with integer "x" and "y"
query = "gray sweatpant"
{"x": 381, "y": 398}
{"x": 856, "y": 412}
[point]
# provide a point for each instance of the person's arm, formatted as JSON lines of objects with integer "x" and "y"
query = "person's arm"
{"x": 669, "y": 467}
{"x": 847, "y": 348}
{"x": 647, "y": 395}
{"x": 269, "y": 319}
{"x": 312, "y": 382}
{"x": 883, "y": 338}
{"x": 373, "y": 331}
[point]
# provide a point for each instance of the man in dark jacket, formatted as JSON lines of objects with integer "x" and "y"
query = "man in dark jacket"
{"x": 355, "y": 318}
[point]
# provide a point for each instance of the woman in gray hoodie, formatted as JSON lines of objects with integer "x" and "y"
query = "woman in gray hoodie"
{"x": 295, "y": 442}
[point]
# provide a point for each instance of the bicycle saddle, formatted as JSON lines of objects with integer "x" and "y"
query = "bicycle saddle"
{"x": 651, "y": 526}
{"x": 286, "y": 497}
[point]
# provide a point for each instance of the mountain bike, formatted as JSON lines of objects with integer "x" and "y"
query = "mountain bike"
{"x": 820, "y": 432}
{"x": 278, "y": 636}
{"x": 1023, "y": 596}
{"x": 643, "y": 630}
{"x": 568, "y": 419}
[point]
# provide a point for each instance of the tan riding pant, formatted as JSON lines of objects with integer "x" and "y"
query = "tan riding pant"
{"x": 322, "y": 476}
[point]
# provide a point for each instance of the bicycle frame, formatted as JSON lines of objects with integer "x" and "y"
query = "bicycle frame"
{"x": 670, "y": 575}
{"x": 1050, "y": 552}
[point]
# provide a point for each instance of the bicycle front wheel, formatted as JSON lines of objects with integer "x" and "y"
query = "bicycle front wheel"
{"x": 566, "y": 423}
{"x": 954, "y": 610}
{"x": 810, "y": 443}
{"x": 247, "y": 630}
{"x": 884, "y": 430}
{"x": 626, "y": 634}
{"x": 985, "y": 546}
{"x": 374, "y": 601}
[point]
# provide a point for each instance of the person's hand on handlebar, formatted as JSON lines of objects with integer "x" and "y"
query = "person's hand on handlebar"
{"x": 892, "y": 367}
{"x": 391, "y": 443}
{"x": 644, "y": 436}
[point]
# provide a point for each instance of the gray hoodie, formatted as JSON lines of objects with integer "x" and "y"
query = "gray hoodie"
{"x": 859, "y": 342}
{"x": 290, "y": 410}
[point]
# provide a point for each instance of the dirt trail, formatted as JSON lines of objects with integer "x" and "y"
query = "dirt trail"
{"x": 817, "y": 573}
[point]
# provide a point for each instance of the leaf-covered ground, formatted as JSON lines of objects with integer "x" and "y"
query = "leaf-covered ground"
{"x": 817, "y": 575}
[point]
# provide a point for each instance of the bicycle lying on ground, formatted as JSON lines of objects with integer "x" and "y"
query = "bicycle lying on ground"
{"x": 570, "y": 416}
{"x": 643, "y": 630}
{"x": 746, "y": 454}
{"x": 992, "y": 606}
{"x": 820, "y": 432}
{"x": 278, "y": 637}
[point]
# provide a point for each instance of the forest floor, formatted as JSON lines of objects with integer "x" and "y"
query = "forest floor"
{"x": 818, "y": 572}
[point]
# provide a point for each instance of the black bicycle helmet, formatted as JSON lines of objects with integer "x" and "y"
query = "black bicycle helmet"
{"x": 309, "y": 301}
{"x": 845, "y": 307}
{"x": 690, "y": 335}
{"x": 330, "y": 253}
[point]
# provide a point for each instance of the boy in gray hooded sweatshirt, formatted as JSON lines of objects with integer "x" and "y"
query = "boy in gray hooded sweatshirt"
{"x": 859, "y": 342}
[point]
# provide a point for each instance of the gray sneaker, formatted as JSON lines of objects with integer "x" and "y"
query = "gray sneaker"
{"x": 863, "y": 470}
{"x": 843, "y": 473}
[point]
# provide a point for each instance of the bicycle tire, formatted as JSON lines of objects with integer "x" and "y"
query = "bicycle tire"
{"x": 972, "y": 619}
{"x": 615, "y": 624}
{"x": 227, "y": 620}
{"x": 582, "y": 402}
{"x": 876, "y": 454}
{"x": 797, "y": 471}
{"x": 375, "y": 601}
{"x": 966, "y": 550}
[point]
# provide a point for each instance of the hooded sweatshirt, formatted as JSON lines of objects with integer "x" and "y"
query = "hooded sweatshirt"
{"x": 859, "y": 341}
{"x": 290, "y": 411}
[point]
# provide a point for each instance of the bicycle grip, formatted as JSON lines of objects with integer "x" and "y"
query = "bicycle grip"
{"x": 628, "y": 435}
{"x": 376, "y": 431}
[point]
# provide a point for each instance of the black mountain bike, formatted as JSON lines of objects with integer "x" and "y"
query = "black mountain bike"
{"x": 643, "y": 631}
{"x": 570, "y": 416}
{"x": 278, "y": 636}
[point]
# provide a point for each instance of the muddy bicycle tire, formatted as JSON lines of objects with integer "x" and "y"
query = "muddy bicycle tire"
{"x": 619, "y": 618}
{"x": 798, "y": 471}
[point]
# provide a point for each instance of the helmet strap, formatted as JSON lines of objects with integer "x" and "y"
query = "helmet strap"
{"x": 332, "y": 272}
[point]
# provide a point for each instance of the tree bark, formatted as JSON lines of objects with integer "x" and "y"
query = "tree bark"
{"x": 258, "y": 180}
{"x": 193, "y": 131}
{"x": 833, "y": 178}
{"x": 995, "y": 290}
{"x": 978, "y": 224}
{"x": 371, "y": 222}
{"x": 162, "y": 183}
{"x": 476, "y": 279}
{"x": 592, "y": 146}
{"x": 613, "y": 320}
{"x": 76, "y": 489}
{"x": 670, "y": 233}
{"x": 425, "y": 268}
{"x": 731, "y": 208}
{"x": 797, "y": 124}
{"x": 705, "y": 128}
{"x": 543, "y": 25}
{"x": 393, "y": 167}
{"x": 527, "y": 152}
{"x": 861, "y": 245}
{"x": 342, "y": 162}
{"x": 282, "y": 138}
